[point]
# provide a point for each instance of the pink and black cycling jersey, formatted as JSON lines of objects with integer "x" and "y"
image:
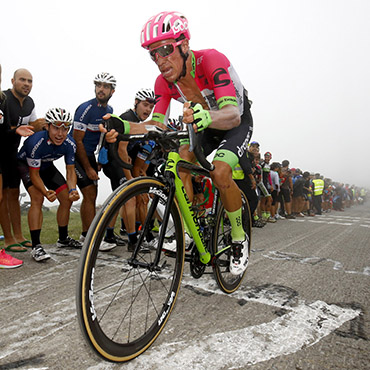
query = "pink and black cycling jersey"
{"x": 216, "y": 78}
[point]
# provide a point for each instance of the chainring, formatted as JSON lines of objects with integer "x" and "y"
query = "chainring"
{"x": 197, "y": 268}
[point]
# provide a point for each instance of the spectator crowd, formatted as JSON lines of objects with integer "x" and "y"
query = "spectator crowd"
{"x": 274, "y": 190}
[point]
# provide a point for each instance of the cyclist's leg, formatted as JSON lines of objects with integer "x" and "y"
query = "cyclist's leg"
{"x": 231, "y": 151}
{"x": 230, "y": 197}
{"x": 186, "y": 175}
{"x": 89, "y": 190}
{"x": 54, "y": 180}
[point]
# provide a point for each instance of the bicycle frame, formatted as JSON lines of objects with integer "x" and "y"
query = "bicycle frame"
{"x": 174, "y": 161}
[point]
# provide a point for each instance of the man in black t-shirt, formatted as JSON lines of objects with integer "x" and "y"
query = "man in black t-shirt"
{"x": 21, "y": 109}
{"x": 137, "y": 154}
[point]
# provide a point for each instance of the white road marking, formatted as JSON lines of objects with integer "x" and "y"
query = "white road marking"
{"x": 277, "y": 255}
{"x": 335, "y": 220}
{"x": 303, "y": 325}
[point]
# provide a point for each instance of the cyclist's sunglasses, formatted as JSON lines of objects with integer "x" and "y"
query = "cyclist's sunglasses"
{"x": 164, "y": 50}
{"x": 61, "y": 124}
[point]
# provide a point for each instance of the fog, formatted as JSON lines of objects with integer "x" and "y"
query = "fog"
{"x": 304, "y": 63}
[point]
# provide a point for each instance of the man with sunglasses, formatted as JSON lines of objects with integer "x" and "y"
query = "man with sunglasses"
{"x": 220, "y": 103}
{"x": 86, "y": 133}
{"x": 220, "y": 109}
{"x": 42, "y": 179}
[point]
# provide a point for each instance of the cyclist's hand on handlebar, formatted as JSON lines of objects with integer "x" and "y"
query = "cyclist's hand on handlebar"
{"x": 196, "y": 114}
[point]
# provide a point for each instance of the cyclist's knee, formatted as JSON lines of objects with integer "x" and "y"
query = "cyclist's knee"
{"x": 185, "y": 154}
{"x": 89, "y": 193}
{"x": 222, "y": 175}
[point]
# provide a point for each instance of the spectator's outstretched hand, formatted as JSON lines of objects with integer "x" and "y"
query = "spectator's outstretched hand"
{"x": 25, "y": 130}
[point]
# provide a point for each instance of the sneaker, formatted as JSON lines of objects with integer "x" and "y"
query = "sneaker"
{"x": 39, "y": 254}
{"x": 155, "y": 229}
{"x": 122, "y": 232}
{"x": 239, "y": 258}
{"x": 290, "y": 217}
{"x": 271, "y": 219}
{"x": 106, "y": 246}
{"x": 188, "y": 240}
{"x": 258, "y": 223}
{"x": 9, "y": 262}
{"x": 143, "y": 248}
{"x": 82, "y": 239}
{"x": 170, "y": 245}
{"x": 69, "y": 243}
{"x": 152, "y": 245}
{"x": 279, "y": 217}
{"x": 117, "y": 240}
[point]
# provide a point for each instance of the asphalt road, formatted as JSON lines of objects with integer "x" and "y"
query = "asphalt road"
{"x": 304, "y": 304}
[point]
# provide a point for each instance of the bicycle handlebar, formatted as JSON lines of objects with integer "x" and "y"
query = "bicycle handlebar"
{"x": 166, "y": 139}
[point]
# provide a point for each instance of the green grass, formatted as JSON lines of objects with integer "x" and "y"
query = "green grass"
{"x": 49, "y": 231}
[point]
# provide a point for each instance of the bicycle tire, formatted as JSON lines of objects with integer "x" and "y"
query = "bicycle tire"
{"x": 227, "y": 282}
{"x": 122, "y": 308}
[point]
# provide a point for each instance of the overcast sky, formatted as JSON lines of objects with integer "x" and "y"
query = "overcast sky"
{"x": 306, "y": 65}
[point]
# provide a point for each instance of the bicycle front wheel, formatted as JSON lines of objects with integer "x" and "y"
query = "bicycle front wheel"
{"x": 228, "y": 282}
{"x": 123, "y": 303}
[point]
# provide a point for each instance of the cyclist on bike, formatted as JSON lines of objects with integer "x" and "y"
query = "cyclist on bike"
{"x": 207, "y": 79}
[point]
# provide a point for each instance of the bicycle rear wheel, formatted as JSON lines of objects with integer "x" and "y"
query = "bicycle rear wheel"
{"x": 228, "y": 282}
{"x": 123, "y": 305}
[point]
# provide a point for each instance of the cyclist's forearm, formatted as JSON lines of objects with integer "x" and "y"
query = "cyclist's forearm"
{"x": 71, "y": 177}
{"x": 226, "y": 118}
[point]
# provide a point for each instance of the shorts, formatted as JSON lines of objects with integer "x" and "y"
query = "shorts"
{"x": 52, "y": 178}
{"x": 235, "y": 141}
{"x": 115, "y": 174}
{"x": 82, "y": 179}
{"x": 275, "y": 197}
{"x": 284, "y": 195}
{"x": 11, "y": 177}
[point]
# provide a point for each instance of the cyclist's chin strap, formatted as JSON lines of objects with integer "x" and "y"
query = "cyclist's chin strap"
{"x": 185, "y": 58}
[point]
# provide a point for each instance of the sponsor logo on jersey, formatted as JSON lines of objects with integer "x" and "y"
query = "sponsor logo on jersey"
{"x": 217, "y": 75}
{"x": 79, "y": 126}
{"x": 37, "y": 145}
{"x": 85, "y": 112}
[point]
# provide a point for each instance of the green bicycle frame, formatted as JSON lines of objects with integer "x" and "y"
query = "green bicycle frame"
{"x": 173, "y": 162}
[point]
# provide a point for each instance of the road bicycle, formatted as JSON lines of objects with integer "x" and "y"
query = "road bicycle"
{"x": 124, "y": 299}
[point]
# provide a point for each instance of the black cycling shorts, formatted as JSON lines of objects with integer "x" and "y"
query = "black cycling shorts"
{"x": 82, "y": 179}
{"x": 235, "y": 140}
{"x": 52, "y": 178}
{"x": 284, "y": 195}
{"x": 115, "y": 174}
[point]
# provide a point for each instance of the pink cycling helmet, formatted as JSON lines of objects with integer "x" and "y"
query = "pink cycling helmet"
{"x": 163, "y": 26}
